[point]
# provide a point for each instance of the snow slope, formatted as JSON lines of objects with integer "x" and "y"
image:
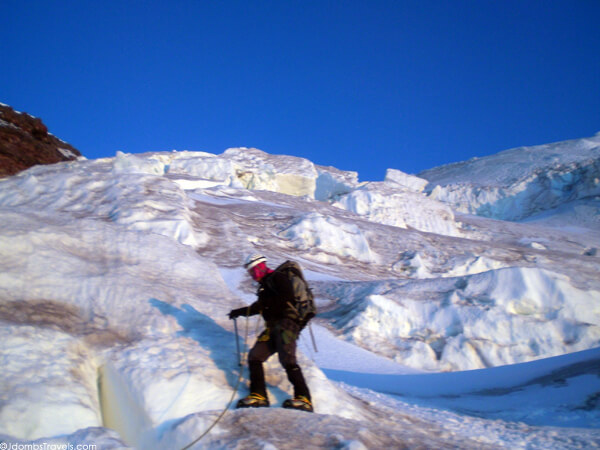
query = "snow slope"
{"x": 518, "y": 183}
{"x": 116, "y": 276}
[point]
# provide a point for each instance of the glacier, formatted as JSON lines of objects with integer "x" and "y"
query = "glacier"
{"x": 459, "y": 307}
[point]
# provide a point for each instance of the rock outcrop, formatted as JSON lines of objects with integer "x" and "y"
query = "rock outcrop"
{"x": 25, "y": 142}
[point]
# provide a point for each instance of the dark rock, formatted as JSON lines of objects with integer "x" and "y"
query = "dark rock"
{"x": 25, "y": 142}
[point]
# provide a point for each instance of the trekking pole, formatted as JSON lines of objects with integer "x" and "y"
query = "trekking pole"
{"x": 312, "y": 338}
{"x": 237, "y": 342}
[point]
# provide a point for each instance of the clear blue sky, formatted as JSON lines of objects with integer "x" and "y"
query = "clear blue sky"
{"x": 360, "y": 85}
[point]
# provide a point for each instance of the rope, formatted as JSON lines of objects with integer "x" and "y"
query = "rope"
{"x": 233, "y": 394}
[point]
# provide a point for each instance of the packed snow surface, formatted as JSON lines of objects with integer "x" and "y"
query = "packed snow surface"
{"x": 437, "y": 327}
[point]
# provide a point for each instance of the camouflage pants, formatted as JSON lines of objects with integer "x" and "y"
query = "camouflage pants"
{"x": 279, "y": 338}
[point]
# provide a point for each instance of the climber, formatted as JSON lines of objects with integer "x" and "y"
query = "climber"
{"x": 276, "y": 303}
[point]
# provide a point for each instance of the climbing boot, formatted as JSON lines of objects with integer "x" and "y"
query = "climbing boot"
{"x": 300, "y": 402}
{"x": 253, "y": 400}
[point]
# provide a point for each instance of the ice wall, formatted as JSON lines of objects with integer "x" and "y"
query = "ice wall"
{"x": 518, "y": 183}
{"x": 490, "y": 319}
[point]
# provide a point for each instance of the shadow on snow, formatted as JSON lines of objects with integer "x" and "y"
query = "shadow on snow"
{"x": 205, "y": 331}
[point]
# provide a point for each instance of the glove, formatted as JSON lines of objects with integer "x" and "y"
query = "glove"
{"x": 237, "y": 312}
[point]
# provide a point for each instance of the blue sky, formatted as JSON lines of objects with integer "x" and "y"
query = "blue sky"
{"x": 359, "y": 85}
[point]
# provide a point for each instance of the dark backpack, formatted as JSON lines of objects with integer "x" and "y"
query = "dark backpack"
{"x": 304, "y": 307}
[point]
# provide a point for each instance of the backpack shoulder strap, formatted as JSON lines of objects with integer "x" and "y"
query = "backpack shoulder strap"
{"x": 293, "y": 267}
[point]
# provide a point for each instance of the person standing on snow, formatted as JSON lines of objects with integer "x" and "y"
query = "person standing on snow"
{"x": 274, "y": 293}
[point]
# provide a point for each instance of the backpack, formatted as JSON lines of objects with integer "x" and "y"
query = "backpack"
{"x": 304, "y": 308}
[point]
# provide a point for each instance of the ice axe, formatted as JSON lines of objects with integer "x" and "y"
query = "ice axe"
{"x": 237, "y": 342}
{"x": 312, "y": 338}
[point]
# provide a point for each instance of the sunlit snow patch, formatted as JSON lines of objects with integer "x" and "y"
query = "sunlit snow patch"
{"x": 335, "y": 238}
{"x": 127, "y": 163}
{"x": 392, "y": 204}
{"x": 258, "y": 170}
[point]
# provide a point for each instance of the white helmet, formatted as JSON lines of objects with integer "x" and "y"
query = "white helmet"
{"x": 254, "y": 260}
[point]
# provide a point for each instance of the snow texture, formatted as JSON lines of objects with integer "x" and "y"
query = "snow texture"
{"x": 441, "y": 324}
